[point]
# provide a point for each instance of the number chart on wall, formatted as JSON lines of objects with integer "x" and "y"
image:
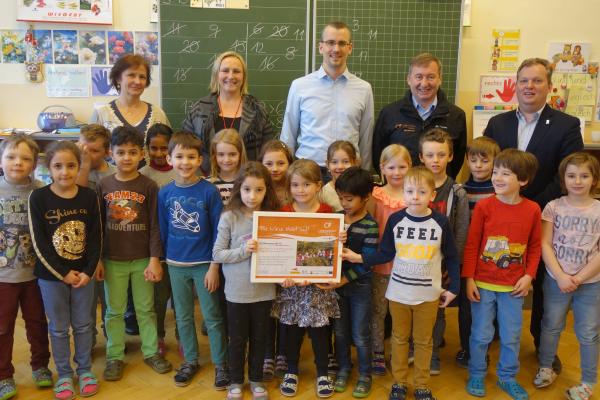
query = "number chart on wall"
{"x": 388, "y": 33}
{"x": 271, "y": 36}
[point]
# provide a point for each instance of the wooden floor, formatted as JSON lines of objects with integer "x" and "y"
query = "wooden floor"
{"x": 141, "y": 383}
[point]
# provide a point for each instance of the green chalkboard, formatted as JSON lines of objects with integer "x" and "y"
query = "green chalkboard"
{"x": 271, "y": 35}
{"x": 388, "y": 33}
{"x": 278, "y": 41}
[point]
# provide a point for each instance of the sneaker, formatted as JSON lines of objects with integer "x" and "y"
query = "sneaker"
{"x": 113, "y": 370}
{"x": 268, "y": 369}
{"x": 42, "y": 377}
{"x": 362, "y": 388}
{"x": 341, "y": 381}
{"x": 235, "y": 391}
{"x": 158, "y": 364}
{"x": 462, "y": 359}
{"x": 289, "y": 385}
{"x": 8, "y": 388}
{"x": 582, "y": 391}
{"x": 544, "y": 377}
{"x": 185, "y": 373}
{"x": 162, "y": 347}
{"x": 513, "y": 389}
{"x": 435, "y": 366}
{"x": 281, "y": 366}
{"x": 476, "y": 387}
{"x": 259, "y": 391}
{"x": 332, "y": 366}
{"x": 424, "y": 394}
{"x": 221, "y": 377}
{"x": 324, "y": 386}
{"x": 378, "y": 363}
{"x": 398, "y": 392}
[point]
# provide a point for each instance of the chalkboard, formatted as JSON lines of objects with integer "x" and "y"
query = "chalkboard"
{"x": 387, "y": 33}
{"x": 278, "y": 40}
{"x": 272, "y": 37}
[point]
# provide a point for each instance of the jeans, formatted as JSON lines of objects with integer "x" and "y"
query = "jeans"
{"x": 26, "y": 295}
{"x": 162, "y": 294}
{"x": 183, "y": 282}
{"x": 116, "y": 284}
{"x": 248, "y": 325}
{"x": 353, "y": 326}
{"x": 586, "y": 312}
{"x": 99, "y": 295}
{"x": 66, "y": 308}
{"x": 464, "y": 316}
{"x": 508, "y": 311}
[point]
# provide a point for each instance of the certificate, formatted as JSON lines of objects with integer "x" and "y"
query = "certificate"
{"x": 301, "y": 246}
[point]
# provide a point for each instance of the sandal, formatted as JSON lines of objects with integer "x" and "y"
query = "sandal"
{"x": 88, "y": 384}
{"x": 63, "y": 389}
{"x": 268, "y": 369}
{"x": 363, "y": 387}
{"x": 476, "y": 387}
{"x": 289, "y": 385}
{"x": 259, "y": 392}
{"x": 324, "y": 386}
{"x": 281, "y": 366}
{"x": 579, "y": 392}
{"x": 235, "y": 391}
{"x": 513, "y": 389}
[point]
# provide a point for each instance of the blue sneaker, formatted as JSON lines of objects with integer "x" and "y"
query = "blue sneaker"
{"x": 398, "y": 392}
{"x": 476, "y": 387}
{"x": 513, "y": 389}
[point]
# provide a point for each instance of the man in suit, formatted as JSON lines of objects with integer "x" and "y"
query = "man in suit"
{"x": 548, "y": 134}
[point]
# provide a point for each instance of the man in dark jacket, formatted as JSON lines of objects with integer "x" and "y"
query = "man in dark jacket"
{"x": 424, "y": 106}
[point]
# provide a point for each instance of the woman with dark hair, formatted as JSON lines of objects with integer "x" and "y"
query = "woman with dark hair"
{"x": 229, "y": 106}
{"x": 130, "y": 76}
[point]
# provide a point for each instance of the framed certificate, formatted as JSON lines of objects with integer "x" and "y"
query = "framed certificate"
{"x": 301, "y": 246}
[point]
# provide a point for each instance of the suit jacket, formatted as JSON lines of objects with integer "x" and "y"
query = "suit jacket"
{"x": 555, "y": 136}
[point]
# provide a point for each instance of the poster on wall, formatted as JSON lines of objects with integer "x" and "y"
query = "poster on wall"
{"x": 101, "y": 85}
{"x": 13, "y": 46}
{"x": 67, "y": 81}
{"x": 68, "y": 11}
{"x": 504, "y": 52}
{"x": 569, "y": 56}
{"x": 498, "y": 89}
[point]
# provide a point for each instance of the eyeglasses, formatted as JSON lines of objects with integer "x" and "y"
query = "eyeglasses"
{"x": 331, "y": 43}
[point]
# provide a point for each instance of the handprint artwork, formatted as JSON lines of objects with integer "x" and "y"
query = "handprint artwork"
{"x": 101, "y": 85}
{"x": 496, "y": 89}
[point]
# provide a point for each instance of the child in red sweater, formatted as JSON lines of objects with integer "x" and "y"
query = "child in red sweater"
{"x": 500, "y": 260}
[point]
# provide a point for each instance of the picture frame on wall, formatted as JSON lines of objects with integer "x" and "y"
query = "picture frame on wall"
{"x": 98, "y": 12}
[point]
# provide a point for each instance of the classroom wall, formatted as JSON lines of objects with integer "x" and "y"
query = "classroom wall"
{"x": 21, "y": 101}
{"x": 540, "y": 22}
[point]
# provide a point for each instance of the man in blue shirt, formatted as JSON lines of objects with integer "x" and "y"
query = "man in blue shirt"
{"x": 423, "y": 107}
{"x": 330, "y": 104}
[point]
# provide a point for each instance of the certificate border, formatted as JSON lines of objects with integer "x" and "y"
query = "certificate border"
{"x": 337, "y": 263}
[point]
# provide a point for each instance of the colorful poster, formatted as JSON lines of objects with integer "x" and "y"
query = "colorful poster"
{"x": 13, "y": 46}
{"x": 101, "y": 85}
{"x": 146, "y": 45}
{"x": 498, "y": 89}
{"x": 119, "y": 44}
{"x": 92, "y": 47}
{"x": 69, "y": 11}
{"x": 67, "y": 81}
{"x": 43, "y": 45}
{"x": 64, "y": 44}
{"x": 569, "y": 56}
{"x": 300, "y": 246}
{"x": 505, "y": 50}
{"x": 575, "y": 93}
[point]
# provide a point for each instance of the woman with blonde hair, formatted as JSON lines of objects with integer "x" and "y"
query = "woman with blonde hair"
{"x": 229, "y": 106}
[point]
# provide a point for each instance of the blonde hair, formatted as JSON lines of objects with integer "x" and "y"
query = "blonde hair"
{"x": 393, "y": 151}
{"x": 483, "y": 146}
{"x": 214, "y": 77}
{"x": 307, "y": 169}
{"x": 420, "y": 175}
{"x": 229, "y": 136}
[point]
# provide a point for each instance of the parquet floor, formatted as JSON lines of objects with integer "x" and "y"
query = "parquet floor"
{"x": 141, "y": 383}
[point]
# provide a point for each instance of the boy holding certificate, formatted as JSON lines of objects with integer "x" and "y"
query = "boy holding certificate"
{"x": 354, "y": 187}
